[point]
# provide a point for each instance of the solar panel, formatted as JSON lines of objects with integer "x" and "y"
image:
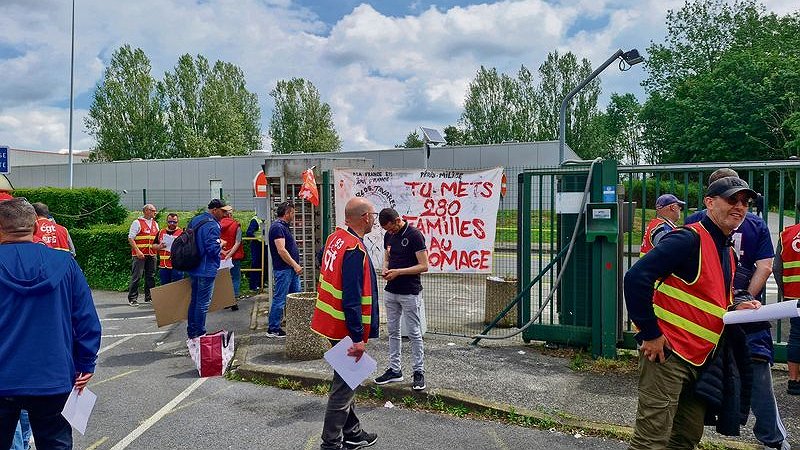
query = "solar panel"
{"x": 432, "y": 136}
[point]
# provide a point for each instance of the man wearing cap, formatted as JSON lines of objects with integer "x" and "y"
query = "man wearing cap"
{"x": 206, "y": 233}
{"x": 286, "y": 266}
{"x": 753, "y": 247}
{"x": 668, "y": 211}
{"x": 680, "y": 321}
{"x": 141, "y": 235}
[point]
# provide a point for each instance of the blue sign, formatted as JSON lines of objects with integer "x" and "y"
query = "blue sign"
{"x": 609, "y": 194}
{"x": 4, "y": 167}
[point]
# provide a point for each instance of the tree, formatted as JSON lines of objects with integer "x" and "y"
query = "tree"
{"x": 210, "y": 110}
{"x": 301, "y": 122}
{"x": 453, "y": 135}
{"x": 412, "y": 141}
{"x": 126, "y": 117}
{"x": 488, "y": 116}
{"x": 622, "y": 115}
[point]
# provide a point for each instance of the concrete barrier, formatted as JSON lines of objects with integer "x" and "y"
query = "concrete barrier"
{"x": 301, "y": 342}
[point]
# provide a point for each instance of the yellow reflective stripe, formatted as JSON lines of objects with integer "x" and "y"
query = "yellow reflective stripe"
{"x": 163, "y": 257}
{"x": 330, "y": 310}
{"x": 791, "y": 264}
{"x": 327, "y": 287}
{"x": 690, "y": 299}
{"x": 686, "y": 324}
{"x": 791, "y": 278}
{"x": 144, "y": 237}
{"x": 366, "y": 320}
{"x": 145, "y": 245}
{"x": 366, "y": 300}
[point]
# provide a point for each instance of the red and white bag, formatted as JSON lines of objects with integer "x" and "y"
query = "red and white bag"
{"x": 212, "y": 353}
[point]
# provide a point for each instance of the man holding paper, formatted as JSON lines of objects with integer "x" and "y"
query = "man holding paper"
{"x": 676, "y": 295}
{"x": 347, "y": 305}
{"x": 51, "y": 330}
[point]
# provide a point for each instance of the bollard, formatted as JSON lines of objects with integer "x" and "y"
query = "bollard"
{"x": 499, "y": 293}
{"x": 301, "y": 342}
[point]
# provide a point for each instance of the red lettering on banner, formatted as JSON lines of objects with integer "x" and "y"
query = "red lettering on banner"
{"x": 459, "y": 259}
{"x": 488, "y": 187}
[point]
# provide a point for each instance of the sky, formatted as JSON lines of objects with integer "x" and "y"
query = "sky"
{"x": 386, "y": 67}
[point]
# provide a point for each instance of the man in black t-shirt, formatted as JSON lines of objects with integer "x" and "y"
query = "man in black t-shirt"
{"x": 405, "y": 258}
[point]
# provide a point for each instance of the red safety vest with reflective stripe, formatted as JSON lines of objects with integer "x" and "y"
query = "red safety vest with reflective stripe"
{"x": 328, "y": 319}
{"x": 690, "y": 312}
{"x": 790, "y": 259}
{"x": 227, "y": 233}
{"x": 163, "y": 254}
{"x": 144, "y": 239}
{"x": 647, "y": 244}
{"x": 51, "y": 234}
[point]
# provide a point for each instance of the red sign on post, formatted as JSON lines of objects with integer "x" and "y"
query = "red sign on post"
{"x": 260, "y": 185}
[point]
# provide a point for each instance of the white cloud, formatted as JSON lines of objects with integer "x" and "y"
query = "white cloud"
{"x": 382, "y": 75}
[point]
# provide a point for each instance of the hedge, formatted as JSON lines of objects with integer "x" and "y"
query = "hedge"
{"x": 666, "y": 187}
{"x": 78, "y": 208}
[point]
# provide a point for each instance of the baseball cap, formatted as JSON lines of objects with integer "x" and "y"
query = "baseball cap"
{"x": 728, "y": 187}
{"x": 216, "y": 203}
{"x": 227, "y": 208}
{"x": 668, "y": 199}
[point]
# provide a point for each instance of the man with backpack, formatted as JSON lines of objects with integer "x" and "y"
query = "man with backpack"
{"x": 206, "y": 231}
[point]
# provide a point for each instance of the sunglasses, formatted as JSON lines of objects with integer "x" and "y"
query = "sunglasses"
{"x": 172, "y": 221}
{"x": 735, "y": 200}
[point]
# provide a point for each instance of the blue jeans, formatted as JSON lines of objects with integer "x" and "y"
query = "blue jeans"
{"x": 286, "y": 282}
{"x": 44, "y": 411}
{"x": 22, "y": 437}
{"x": 236, "y": 275}
{"x": 202, "y": 288}
{"x": 167, "y": 276}
{"x": 793, "y": 345}
{"x": 768, "y": 429}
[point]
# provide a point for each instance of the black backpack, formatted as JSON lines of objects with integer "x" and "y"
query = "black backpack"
{"x": 185, "y": 254}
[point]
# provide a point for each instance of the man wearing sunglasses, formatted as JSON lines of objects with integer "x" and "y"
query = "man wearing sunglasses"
{"x": 753, "y": 248}
{"x": 676, "y": 295}
{"x": 163, "y": 242}
{"x": 668, "y": 211}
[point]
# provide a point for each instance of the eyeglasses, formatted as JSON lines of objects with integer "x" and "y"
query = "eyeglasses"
{"x": 735, "y": 200}
{"x": 370, "y": 213}
{"x": 172, "y": 222}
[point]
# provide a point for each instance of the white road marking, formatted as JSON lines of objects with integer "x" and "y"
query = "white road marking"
{"x": 97, "y": 444}
{"x": 132, "y": 334}
{"x": 110, "y": 346}
{"x": 125, "y": 442}
{"x": 126, "y": 318}
{"x": 95, "y": 383}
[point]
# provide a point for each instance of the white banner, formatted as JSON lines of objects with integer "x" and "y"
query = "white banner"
{"x": 456, "y": 211}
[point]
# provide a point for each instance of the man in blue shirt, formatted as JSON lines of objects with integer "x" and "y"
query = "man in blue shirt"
{"x": 206, "y": 232}
{"x": 753, "y": 249}
{"x": 286, "y": 266}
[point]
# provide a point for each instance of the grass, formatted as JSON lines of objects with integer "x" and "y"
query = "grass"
{"x": 625, "y": 362}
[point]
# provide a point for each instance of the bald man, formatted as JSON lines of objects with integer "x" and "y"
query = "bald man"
{"x": 141, "y": 236}
{"x": 340, "y": 312}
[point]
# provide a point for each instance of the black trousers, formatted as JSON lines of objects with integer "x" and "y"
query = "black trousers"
{"x": 139, "y": 267}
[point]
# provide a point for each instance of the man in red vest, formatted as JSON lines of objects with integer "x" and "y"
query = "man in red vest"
{"x": 163, "y": 243}
{"x": 676, "y": 295}
{"x": 141, "y": 236}
{"x": 49, "y": 233}
{"x": 787, "y": 275}
{"x": 341, "y": 311}
{"x": 668, "y": 211}
{"x": 231, "y": 236}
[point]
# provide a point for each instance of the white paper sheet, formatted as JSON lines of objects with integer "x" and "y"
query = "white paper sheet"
{"x": 773, "y": 311}
{"x": 225, "y": 263}
{"x": 352, "y": 372}
{"x": 167, "y": 240}
{"x": 78, "y": 409}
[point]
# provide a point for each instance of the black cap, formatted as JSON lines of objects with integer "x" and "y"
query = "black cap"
{"x": 728, "y": 187}
{"x": 216, "y": 203}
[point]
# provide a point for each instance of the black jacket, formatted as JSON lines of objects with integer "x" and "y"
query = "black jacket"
{"x": 725, "y": 382}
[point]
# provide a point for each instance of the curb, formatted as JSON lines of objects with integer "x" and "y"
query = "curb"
{"x": 396, "y": 393}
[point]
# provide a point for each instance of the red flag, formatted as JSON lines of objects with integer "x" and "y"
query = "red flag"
{"x": 309, "y": 189}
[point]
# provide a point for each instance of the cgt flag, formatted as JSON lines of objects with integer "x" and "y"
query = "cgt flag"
{"x": 309, "y": 189}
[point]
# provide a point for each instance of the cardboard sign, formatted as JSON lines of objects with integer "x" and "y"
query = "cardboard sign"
{"x": 455, "y": 210}
{"x": 171, "y": 301}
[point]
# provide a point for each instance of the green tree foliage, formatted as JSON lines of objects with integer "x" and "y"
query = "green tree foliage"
{"x": 209, "y": 109}
{"x": 453, "y": 135}
{"x": 488, "y": 116}
{"x": 412, "y": 141}
{"x": 739, "y": 99}
{"x": 126, "y": 115}
{"x": 301, "y": 122}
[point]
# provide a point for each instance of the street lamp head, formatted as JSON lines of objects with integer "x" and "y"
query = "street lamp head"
{"x": 632, "y": 57}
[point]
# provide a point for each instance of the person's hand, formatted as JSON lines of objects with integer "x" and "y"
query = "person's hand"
{"x": 82, "y": 380}
{"x": 383, "y": 272}
{"x": 357, "y": 350}
{"x": 139, "y": 254}
{"x": 750, "y": 304}
{"x": 653, "y": 349}
{"x": 298, "y": 269}
{"x": 390, "y": 274}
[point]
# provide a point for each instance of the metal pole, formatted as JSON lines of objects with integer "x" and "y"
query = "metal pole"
{"x": 562, "y": 114}
{"x": 71, "y": 90}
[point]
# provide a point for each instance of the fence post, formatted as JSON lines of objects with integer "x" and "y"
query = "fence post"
{"x": 604, "y": 273}
{"x": 144, "y": 196}
{"x": 326, "y": 205}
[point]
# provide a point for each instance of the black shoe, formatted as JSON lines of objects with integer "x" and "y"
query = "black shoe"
{"x": 419, "y": 381}
{"x": 279, "y": 333}
{"x": 365, "y": 440}
{"x": 390, "y": 376}
{"x": 133, "y": 303}
{"x": 233, "y": 307}
{"x": 148, "y": 300}
{"x": 794, "y": 387}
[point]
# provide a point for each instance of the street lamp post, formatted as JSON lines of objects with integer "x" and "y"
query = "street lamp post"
{"x": 71, "y": 90}
{"x": 631, "y": 57}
